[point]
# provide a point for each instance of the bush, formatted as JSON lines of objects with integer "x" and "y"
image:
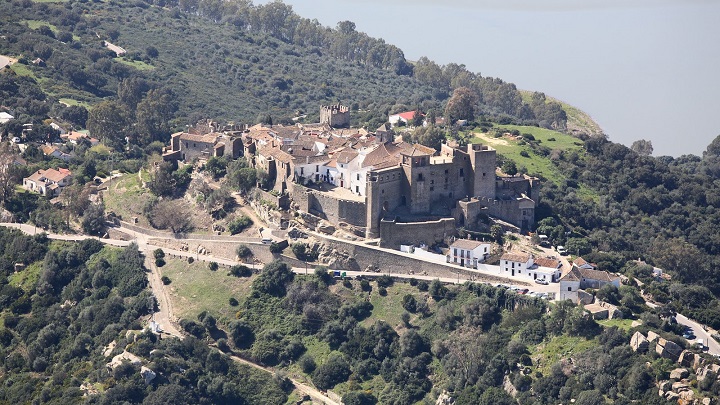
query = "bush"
{"x": 165, "y": 280}
{"x": 409, "y": 303}
{"x": 243, "y": 251}
{"x": 307, "y": 364}
{"x": 239, "y": 224}
{"x": 365, "y": 285}
{"x": 524, "y": 154}
{"x": 413, "y": 282}
{"x": 423, "y": 286}
{"x": 213, "y": 266}
{"x": 347, "y": 283}
{"x": 191, "y": 259}
{"x": 158, "y": 253}
{"x": 240, "y": 271}
{"x": 276, "y": 248}
{"x": 384, "y": 281}
{"x": 382, "y": 291}
{"x": 159, "y": 262}
{"x": 334, "y": 371}
{"x": 233, "y": 302}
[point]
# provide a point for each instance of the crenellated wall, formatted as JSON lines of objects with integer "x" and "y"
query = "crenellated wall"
{"x": 393, "y": 233}
{"x": 334, "y": 210}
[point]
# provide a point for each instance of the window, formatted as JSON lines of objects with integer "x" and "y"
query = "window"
{"x": 420, "y": 177}
{"x": 446, "y": 171}
{"x": 513, "y": 265}
{"x": 455, "y": 251}
{"x": 569, "y": 288}
{"x": 432, "y": 188}
{"x": 193, "y": 144}
{"x": 357, "y": 189}
{"x": 483, "y": 174}
{"x": 317, "y": 168}
{"x": 302, "y": 169}
{"x": 358, "y": 176}
{"x": 462, "y": 172}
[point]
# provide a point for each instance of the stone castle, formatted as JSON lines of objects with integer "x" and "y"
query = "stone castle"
{"x": 374, "y": 185}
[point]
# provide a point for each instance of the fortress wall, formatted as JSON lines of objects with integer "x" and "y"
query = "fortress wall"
{"x": 393, "y": 234}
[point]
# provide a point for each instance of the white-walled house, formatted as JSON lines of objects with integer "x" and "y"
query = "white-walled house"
{"x": 579, "y": 279}
{"x": 468, "y": 253}
{"x": 544, "y": 268}
{"x": 311, "y": 168}
{"x": 48, "y": 182}
{"x": 515, "y": 264}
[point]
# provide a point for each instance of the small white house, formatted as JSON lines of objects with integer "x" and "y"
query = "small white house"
{"x": 5, "y": 117}
{"x": 547, "y": 269}
{"x": 468, "y": 253}
{"x": 48, "y": 182}
{"x": 516, "y": 264}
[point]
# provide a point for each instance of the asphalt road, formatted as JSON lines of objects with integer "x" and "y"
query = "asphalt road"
{"x": 700, "y": 333}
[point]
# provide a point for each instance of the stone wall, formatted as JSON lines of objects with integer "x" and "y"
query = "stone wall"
{"x": 393, "y": 233}
{"x": 332, "y": 209}
{"x": 520, "y": 213}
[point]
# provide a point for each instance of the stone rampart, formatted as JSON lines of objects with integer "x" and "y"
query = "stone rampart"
{"x": 393, "y": 233}
{"x": 335, "y": 210}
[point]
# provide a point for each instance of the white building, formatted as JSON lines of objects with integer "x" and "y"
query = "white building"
{"x": 48, "y": 182}
{"x": 516, "y": 264}
{"x": 5, "y": 117}
{"x": 468, "y": 253}
{"x": 578, "y": 279}
{"x": 546, "y": 269}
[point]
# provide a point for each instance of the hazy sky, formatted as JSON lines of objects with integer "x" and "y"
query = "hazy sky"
{"x": 643, "y": 69}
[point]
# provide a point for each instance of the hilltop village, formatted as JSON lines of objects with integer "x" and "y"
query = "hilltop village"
{"x": 372, "y": 183}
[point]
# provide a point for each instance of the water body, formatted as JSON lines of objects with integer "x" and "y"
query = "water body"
{"x": 643, "y": 69}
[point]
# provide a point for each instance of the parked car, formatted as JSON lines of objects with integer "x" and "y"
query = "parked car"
{"x": 561, "y": 250}
{"x": 689, "y": 335}
{"x": 541, "y": 281}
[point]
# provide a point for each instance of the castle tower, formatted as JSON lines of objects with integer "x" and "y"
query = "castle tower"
{"x": 336, "y": 116}
{"x": 484, "y": 162}
{"x": 373, "y": 206}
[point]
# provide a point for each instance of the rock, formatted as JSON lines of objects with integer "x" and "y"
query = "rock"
{"x": 327, "y": 229}
{"x": 652, "y": 336}
{"x": 706, "y": 401}
{"x": 147, "y": 374}
{"x": 687, "y": 358}
{"x": 703, "y": 372}
{"x": 664, "y": 386}
{"x": 124, "y": 356}
{"x": 680, "y": 386}
{"x": 667, "y": 349}
{"x": 638, "y": 342}
{"x": 687, "y": 396}
{"x": 679, "y": 374}
{"x": 444, "y": 399}
{"x": 671, "y": 396}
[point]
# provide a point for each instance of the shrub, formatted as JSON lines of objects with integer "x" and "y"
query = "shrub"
{"x": 159, "y": 262}
{"x": 165, "y": 280}
{"x": 213, "y": 266}
{"x": 240, "y": 271}
{"x": 413, "y": 282}
{"x": 382, "y": 291}
{"x": 365, "y": 285}
{"x": 307, "y": 364}
{"x": 347, "y": 284}
{"x": 276, "y": 248}
{"x": 233, "y": 302}
{"x": 409, "y": 303}
{"x": 384, "y": 281}
{"x": 334, "y": 371}
{"x": 239, "y": 224}
{"x": 243, "y": 251}
{"x": 191, "y": 259}
{"x": 423, "y": 286}
{"x": 524, "y": 153}
{"x": 158, "y": 253}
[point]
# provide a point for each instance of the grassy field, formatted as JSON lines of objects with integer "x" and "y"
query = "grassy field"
{"x": 27, "y": 278}
{"x": 389, "y": 308}
{"x": 194, "y": 288}
{"x": 577, "y": 120}
{"x": 22, "y": 70}
{"x": 35, "y": 24}
{"x": 536, "y": 165}
{"x": 126, "y": 197}
{"x": 625, "y": 324}
{"x": 70, "y": 102}
{"x": 548, "y": 353}
{"x": 137, "y": 64}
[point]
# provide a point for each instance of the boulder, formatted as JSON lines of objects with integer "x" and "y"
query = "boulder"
{"x": 667, "y": 349}
{"x": 687, "y": 396}
{"x": 147, "y": 374}
{"x": 679, "y": 374}
{"x": 680, "y": 386}
{"x": 445, "y": 399}
{"x": 638, "y": 342}
{"x": 703, "y": 371}
{"x": 124, "y": 356}
{"x": 671, "y": 396}
{"x": 664, "y": 386}
{"x": 686, "y": 358}
{"x": 706, "y": 401}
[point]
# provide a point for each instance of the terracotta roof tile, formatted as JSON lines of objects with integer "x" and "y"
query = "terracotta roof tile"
{"x": 516, "y": 257}
{"x": 467, "y": 244}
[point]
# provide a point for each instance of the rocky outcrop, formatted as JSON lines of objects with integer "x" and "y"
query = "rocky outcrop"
{"x": 667, "y": 349}
{"x": 444, "y": 399}
{"x": 638, "y": 342}
{"x": 679, "y": 374}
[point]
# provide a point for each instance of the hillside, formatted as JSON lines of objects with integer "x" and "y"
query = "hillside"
{"x": 261, "y": 61}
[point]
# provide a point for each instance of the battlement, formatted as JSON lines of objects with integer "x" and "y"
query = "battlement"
{"x": 335, "y": 115}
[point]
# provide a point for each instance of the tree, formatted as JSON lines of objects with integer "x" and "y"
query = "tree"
{"x": 241, "y": 334}
{"x": 153, "y": 116}
{"x": 273, "y": 279}
{"x": 509, "y": 167}
{"x": 75, "y": 114}
{"x": 10, "y": 174}
{"x": 334, "y": 371}
{"x": 170, "y": 214}
{"x": 243, "y": 251}
{"x": 642, "y": 147}
{"x": 359, "y": 398}
{"x": 93, "y": 221}
{"x": 108, "y": 121}
{"x": 461, "y": 105}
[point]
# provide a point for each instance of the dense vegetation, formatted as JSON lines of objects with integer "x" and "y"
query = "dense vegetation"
{"x": 272, "y": 61}
{"x": 60, "y": 314}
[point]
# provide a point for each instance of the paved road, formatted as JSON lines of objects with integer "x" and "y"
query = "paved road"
{"x": 700, "y": 333}
{"x": 6, "y": 60}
